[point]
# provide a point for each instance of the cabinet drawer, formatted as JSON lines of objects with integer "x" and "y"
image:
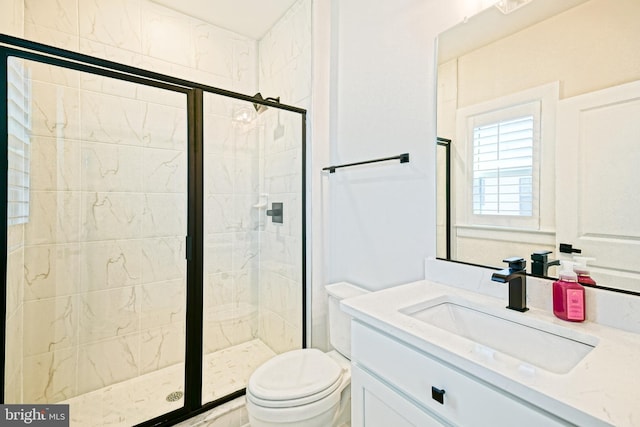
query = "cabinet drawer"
{"x": 375, "y": 404}
{"x": 465, "y": 401}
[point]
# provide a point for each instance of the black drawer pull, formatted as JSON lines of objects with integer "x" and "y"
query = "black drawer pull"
{"x": 437, "y": 395}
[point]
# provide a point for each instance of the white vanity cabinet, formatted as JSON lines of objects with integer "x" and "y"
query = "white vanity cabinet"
{"x": 394, "y": 384}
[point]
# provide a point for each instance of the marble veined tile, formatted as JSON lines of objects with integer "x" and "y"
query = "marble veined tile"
{"x": 213, "y": 48}
{"x": 15, "y": 237}
{"x": 278, "y": 334}
{"x": 164, "y": 171}
{"x": 162, "y": 347}
{"x": 118, "y": 120}
{"x": 110, "y": 264}
{"x": 55, "y": 111}
{"x": 162, "y": 304}
{"x": 108, "y": 314}
{"x": 246, "y": 140}
{"x": 229, "y": 324}
{"x": 219, "y": 290}
{"x": 111, "y": 167}
{"x": 49, "y": 36}
{"x": 12, "y": 18}
{"x": 53, "y": 74}
{"x": 14, "y": 340}
{"x": 54, "y": 217}
{"x": 13, "y": 387}
{"x": 245, "y": 65}
{"x": 112, "y": 119}
{"x": 107, "y": 362}
{"x": 245, "y": 217}
{"x": 51, "y": 270}
{"x": 218, "y": 255}
{"x": 163, "y": 259}
{"x": 165, "y": 215}
{"x": 113, "y": 22}
{"x": 130, "y": 402}
{"x": 219, "y": 174}
{"x": 166, "y": 34}
{"x": 281, "y": 254}
{"x": 219, "y": 214}
{"x": 50, "y": 324}
{"x": 246, "y": 174}
{"x": 218, "y": 105}
{"x": 108, "y": 85}
{"x": 55, "y": 164}
{"x": 218, "y": 135}
{"x": 61, "y": 15}
{"x": 108, "y": 216}
{"x": 14, "y": 290}
{"x": 50, "y": 377}
{"x": 165, "y": 127}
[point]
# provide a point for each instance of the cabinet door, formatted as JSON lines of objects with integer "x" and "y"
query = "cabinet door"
{"x": 375, "y": 404}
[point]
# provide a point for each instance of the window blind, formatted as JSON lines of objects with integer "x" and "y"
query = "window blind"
{"x": 19, "y": 127}
{"x": 503, "y": 167}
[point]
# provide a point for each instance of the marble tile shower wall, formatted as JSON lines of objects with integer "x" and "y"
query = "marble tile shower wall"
{"x": 231, "y": 270}
{"x": 124, "y": 317}
{"x": 104, "y": 245}
{"x": 285, "y": 71}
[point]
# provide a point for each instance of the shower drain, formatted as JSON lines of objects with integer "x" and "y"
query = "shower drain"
{"x": 176, "y": 395}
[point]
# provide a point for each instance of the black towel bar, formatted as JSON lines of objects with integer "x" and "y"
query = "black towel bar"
{"x": 404, "y": 158}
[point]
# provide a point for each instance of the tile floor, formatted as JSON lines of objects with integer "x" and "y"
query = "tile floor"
{"x": 144, "y": 397}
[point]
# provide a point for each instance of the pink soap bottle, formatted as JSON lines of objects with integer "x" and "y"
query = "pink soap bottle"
{"x": 582, "y": 270}
{"x": 568, "y": 297}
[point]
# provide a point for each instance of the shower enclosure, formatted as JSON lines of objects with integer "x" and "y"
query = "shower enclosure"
{"x": 155, "y": 250}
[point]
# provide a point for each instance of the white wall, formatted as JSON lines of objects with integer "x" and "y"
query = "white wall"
{"x": 382, "y": 217}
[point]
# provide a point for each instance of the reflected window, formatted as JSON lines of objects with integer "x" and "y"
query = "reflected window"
{"x": 503, "y": 167}
{"x": 19, "y": 128}
{"x": 503, "y": 156}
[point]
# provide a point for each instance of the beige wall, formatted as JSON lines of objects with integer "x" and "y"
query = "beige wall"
{"x": 589, "y": 47}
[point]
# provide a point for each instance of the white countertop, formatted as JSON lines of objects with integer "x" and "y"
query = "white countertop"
{"x": 604, "y": 385}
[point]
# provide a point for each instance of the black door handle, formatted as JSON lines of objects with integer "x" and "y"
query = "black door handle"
{"x": 437, "y": 395}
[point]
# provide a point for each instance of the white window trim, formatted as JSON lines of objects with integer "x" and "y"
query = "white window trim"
{"x": 544, "y": 163}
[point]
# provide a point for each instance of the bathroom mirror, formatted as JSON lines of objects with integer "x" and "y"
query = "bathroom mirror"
{"x": 541, "y": 104}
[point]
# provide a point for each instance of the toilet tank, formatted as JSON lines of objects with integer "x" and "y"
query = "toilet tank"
{"x": 340, "y": 322}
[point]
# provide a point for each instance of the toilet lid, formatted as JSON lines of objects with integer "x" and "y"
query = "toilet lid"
{"x": 295, "y": 375}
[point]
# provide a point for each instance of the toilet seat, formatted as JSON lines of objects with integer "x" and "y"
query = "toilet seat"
{"x": 295, "y": 378}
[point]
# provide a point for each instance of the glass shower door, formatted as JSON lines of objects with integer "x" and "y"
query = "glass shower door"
{"x": 253, "y": 254}
{"x": 97, "y": 219}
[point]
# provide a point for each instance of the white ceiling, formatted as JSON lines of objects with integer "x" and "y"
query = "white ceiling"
{"x": 252, "y": 18}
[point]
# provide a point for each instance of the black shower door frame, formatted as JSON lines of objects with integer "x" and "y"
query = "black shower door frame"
{"x": 25, "y": 49}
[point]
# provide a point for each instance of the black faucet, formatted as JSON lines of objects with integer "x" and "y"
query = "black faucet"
{"x": 517, "y": 278}
{"x": 540, "y": 263}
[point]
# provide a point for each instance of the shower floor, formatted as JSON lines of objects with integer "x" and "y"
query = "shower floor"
{"x": 144, "y": 397}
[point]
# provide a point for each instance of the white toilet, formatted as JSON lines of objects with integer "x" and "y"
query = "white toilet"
{"x": 307, "y": 388}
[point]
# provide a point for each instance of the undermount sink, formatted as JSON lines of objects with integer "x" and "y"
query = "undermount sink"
{"x": 530, "y": 341}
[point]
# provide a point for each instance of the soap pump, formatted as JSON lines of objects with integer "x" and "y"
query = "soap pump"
{"x": 568, "y": 295}
{"x": 582, "y": 270}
